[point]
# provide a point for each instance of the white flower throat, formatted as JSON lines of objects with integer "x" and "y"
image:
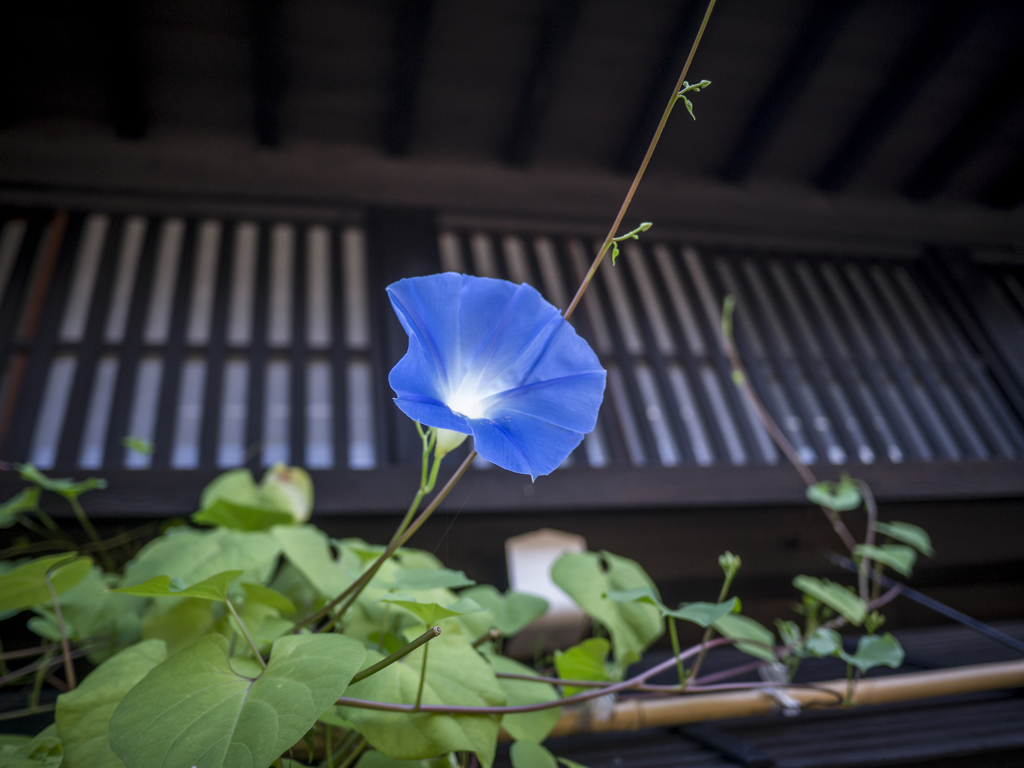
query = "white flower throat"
{"x": 469, "y": 403}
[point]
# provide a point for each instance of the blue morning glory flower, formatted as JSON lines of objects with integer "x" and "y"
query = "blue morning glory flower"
{"x": 494, "y": 360}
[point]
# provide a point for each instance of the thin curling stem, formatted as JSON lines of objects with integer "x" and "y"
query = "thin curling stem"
{"x": 742, "y": 380}
{"x": 427, "y": 636}
{"x": 643, "y": 167}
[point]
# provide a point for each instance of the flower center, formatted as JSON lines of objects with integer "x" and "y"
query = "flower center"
{"x": 469, "y": 404}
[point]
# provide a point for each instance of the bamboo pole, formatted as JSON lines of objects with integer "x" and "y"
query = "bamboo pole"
{"x": 637, "y": 713}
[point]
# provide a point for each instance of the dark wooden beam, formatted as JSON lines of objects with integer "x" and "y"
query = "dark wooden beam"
{"x": 19, "y": 36}
{"x": 412, "y": 31}
{"x": 1008, "y": 189}
{"x": 673, "y": 53}
{"x": 946, "y": 25}
{"x": 118, "y": 46}
{"x": 556, "y": 29}
{"x": 821, "y": 27}
{"x": 980, "y": 120}
{"x": 160, "y": 492}
{"x": 267, "y": 70}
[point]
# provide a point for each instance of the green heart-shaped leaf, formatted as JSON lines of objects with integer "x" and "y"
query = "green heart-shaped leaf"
{"x": 26, "y": 500}
{"x": 835, "y": 596}
{"x": 257, "y": 593}
{"x": 308, "y": 549}
{"x": 44, "y": 751}
{"x": 875, "y": 651}
{"x": 529, "y": 754}
{"x": 510, "y": 612}
{"x": 899, "y": 557}
{"x": 195, "y": 555}
{"x": 910, "y": 534}
{"x": 63, "y": 486}
{"x": 586, "y": 577}
{"x": 240, "y": 517}
{"x": 422, "y": 579}
{"x": 25, "y": 586}
{"x": 213, "y": 588}
{"x": 585, "y": 661}
{"x": 702, "y": 614}
{"x": 83, "y": 715}
{"x": 839, "y": 497}
{"x": 431, "y": 613}
{"x": 761, "y": 639}
{"x": 195, "y": 710}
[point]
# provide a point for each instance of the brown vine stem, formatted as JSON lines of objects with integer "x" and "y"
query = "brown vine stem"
{"x": 14, "y": 714}
{"x": 69, "y": 668}
{"x": 643, "y": 167}
{"x": 742, "y": 380}
{"x": 357, "y": 586}
{"x": 353, "y": 591}
{"x": 575, "y": 699}
{"x": 869, "y": 537}
{"x": 427, "y": 636}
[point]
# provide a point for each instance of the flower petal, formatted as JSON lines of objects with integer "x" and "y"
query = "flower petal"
{"x": 433, "y": 414}
{"x": 496, "y": 359}
{"x": 524, "y": 444}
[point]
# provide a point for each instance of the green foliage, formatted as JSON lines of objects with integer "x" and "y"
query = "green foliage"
{"x": 233, "y": 499}
{"x": 309, "y": 551}
{"x": 835, "y": 596}
{"x": 910, "y": 534}
{"x": 760, "y": 641}
{"x": 587, "y": 577}
{"x": 196, "y": 555}
{"x": 194, "y": 709}
{"x": 44, "y": 751}
{"x": 899, "y": 557}
{"x": 876, "y": 651}
{"x": 508, "y": 613}
{"x": 456, "y": 675}
{"x": 633, "y": 235}
{"x": 531, "y": 726}
{"x": 138, "y": 444}
{"x": 695, "y": 88}
{"x": 26, "y": 500}
{"x": 529, "y": 754}
{"x": 702, "y": 614}
{"x": 213, "y": 588}
{"x": 872, "y": 650}
{"x": 62, "y": 486}
{"x": 83, "y": 715}
{"x": 90, "y": 611}
{"x": 839, "y": 497}
{"x": 586, "y": 661}
{"x": 431, "y": 613}
{"x": 257, "y": 593}
{"x": 416, "y": 579}
{"x": 25, "y": 586}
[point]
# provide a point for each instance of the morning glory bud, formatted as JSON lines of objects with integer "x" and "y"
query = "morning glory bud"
{"x": 447, "y": 441}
